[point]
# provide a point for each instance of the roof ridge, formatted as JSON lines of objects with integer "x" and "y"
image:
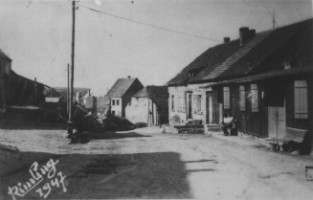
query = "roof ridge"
{"x": 237, "y": 55}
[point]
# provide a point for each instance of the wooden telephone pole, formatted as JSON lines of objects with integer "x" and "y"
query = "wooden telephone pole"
{"x": 71, "y": 88}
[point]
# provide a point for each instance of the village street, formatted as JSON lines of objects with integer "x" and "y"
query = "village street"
{"x": 148, "y": 163}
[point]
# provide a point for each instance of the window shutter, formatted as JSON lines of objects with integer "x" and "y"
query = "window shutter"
{"x": 301, "y": 100}
{"x": 254, "y": 98}
{"x": 242, "y": 98}
{"x": 226, "y": 98}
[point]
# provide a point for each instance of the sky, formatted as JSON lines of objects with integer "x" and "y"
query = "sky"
{"x": 149, "y": 39}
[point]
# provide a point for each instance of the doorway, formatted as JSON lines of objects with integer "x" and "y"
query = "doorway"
{"x": 209, "y": 107}
{"x": 189, "y": 105}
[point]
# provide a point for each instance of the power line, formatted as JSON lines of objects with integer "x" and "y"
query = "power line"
{"x": 149, "y": 25}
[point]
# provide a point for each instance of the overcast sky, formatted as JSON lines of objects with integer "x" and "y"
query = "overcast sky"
{"x": 37, "y": 35}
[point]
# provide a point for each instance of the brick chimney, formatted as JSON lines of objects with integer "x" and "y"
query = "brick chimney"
{"x": 226, "y": 39}
{"x": 244, "y": 35}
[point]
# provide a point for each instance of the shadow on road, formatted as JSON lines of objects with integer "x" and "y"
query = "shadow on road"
{"x": 27, "y": 121}
{"x": 114, "y": 135}
{"x": 144, "y": 175}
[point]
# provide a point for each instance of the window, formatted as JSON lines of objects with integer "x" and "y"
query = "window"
{"x": 113, "y": 102}
{"x": 117, "y": 102}
{"x": 254, "y": 98}
{"x": 198, "y": 103}
{"x": 226, "y": 98}
{"x": 173, "y": 103}
{"x": 242, "y": 98}
{"x": 301, "y": 100}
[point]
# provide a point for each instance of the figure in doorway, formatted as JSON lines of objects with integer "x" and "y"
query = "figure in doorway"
{"x": 229, "y": 126}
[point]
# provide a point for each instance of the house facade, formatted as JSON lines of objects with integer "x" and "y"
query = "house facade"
{"x": 264, "y": 81}
{"x": 5, "y": 68}
{"x": 121, "y": 93}
{"x": 149, "y": 107}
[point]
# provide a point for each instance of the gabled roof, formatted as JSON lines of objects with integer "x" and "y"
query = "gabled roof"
{"x": 235, "y": 57}
{"x": 3, "y": 55}
{"x": 264, "y": 52}
{"x": 293, "y": 42}
{"x": 120, "y": 87}
{"x": 62, "y": 92}
{"x": 158, "y": 94}
{"x": 151, "y": 91}
{"x": 206, "y": 61}
{"x": 15, "y": 76}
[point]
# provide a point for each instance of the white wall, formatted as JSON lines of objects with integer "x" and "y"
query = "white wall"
{"x": 137, "y": 111}
{"x": 116, "y": 108}
{"x": 181, "y": 113}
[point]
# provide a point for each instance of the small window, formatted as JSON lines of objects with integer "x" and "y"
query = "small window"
{"x": 242, "y": 98}
{"x": 300, "y": 100}
{"x": 226, "y": 98}
{"x": 113, "y": 102}
{"x": 254, "y": 98}
{"x": 173, "y": 103}
{"x": 117, "y": 102}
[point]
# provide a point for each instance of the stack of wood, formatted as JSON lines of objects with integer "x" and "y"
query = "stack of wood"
{"x": 194, "y": 127}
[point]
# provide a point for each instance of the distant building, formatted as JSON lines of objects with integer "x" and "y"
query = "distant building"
{"x": 60, "y": 93}
{"x": 120, "y": 94}
{"x": 149, "y": 106}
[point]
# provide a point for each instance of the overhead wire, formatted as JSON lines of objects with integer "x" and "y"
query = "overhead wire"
{"x": 147, "y": 24}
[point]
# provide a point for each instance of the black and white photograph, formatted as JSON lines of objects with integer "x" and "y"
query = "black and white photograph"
{"x": 156, "y": 99}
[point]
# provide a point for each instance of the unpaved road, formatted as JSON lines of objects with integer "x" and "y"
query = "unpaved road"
{"x": 146, "y": 163}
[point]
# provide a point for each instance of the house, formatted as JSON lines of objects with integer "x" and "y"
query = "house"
{"x": 149, "y": 106}
{"x": 16, "y": 90}
{"x": 60, "y": 93}
{"x": 265, "y": 81}
{"x": 5, "y": 69}
{"x": 120, "y": 94}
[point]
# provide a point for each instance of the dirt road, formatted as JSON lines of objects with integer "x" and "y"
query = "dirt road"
{"x": 146, "y": 163}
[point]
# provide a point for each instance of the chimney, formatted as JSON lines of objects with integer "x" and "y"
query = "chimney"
{"x": 252, "y": 33}
{"x": 226, "y": 39}
{"x": 243, "y": 35}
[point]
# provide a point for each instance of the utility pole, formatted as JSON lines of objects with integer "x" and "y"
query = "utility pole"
{"x": 70, "y": 122}
{"x": 68, "y": 90}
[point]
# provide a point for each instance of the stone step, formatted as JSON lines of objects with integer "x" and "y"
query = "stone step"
{"x": 213, "y": 127}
